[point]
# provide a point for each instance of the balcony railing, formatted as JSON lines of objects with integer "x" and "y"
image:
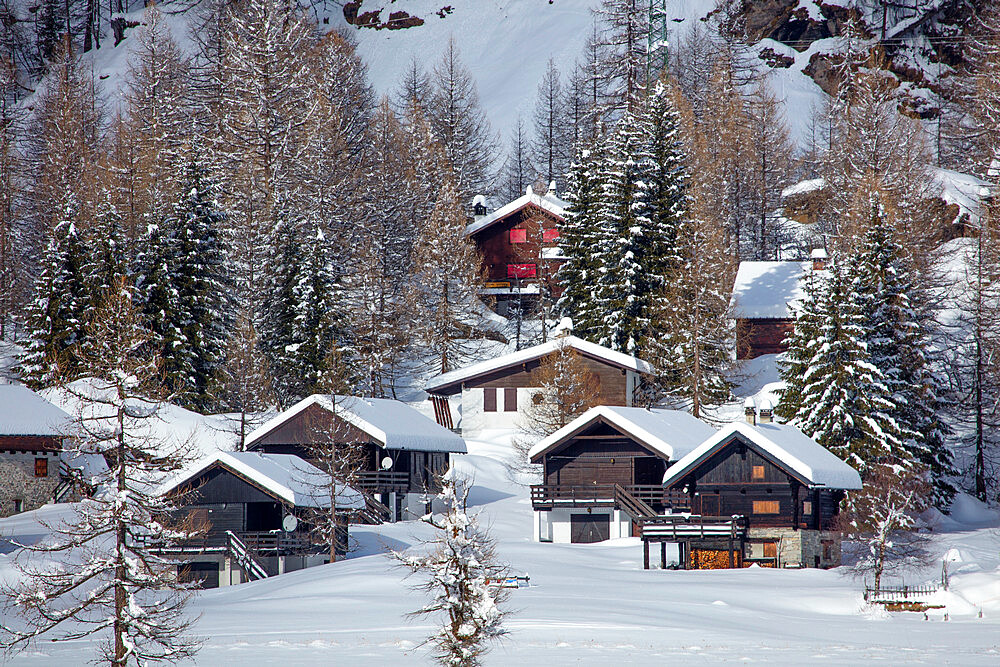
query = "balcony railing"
{"x": 551, "y": 496}
{"x": 383, "y": 481}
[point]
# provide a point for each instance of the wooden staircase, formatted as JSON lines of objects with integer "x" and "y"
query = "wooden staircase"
{"x": 244, "y": 557}
{"x": 638, "y": 509}
{"x": 373, "y": 512}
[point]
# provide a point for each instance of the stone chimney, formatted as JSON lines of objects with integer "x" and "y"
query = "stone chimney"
{"x": 750, "y": 410}
{"x": 819, "y": 259}
{"x": 478, "y": 207}
{"x": 765, "y": 412}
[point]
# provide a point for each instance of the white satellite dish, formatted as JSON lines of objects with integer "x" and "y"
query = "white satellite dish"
{"x": 289, "y": 523}
{"x": 386, "y": 463}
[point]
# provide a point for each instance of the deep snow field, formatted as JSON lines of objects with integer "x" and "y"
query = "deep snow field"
{"x": 589, "y": 604}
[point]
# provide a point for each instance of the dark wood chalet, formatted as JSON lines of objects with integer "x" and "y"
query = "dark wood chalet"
{"x": 519, "y": 244}
{"x": 494, "y": 393}
{"x": 257, "y": 512}
{"x": 32, "y": 432}
{"x": 401, "y": 451}
{"x": 786, "y": 487}
{"x": 763, "y": 296}
{"x": 603, "y": 472}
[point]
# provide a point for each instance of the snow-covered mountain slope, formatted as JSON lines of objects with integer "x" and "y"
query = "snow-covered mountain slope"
{"x": 592, "y": 604}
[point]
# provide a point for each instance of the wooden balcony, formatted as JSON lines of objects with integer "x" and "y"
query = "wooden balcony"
{"x": 552, "y": 496}
{"x": 383, "y": 481}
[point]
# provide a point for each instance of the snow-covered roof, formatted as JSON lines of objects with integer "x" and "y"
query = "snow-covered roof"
{"x": 392, "y": 423}
{"x": 456, "y": 377}
{"x": 23, "y": 412}
{"x": 546, "y": 202}
{"x": 288, "y": 477}
{"x": 787, "y": 445}
{"x": 962, "y": 190}
{"x": 802, "y": 187}
{"x": 764, "y": 290}
{"x": 672, "y": 433}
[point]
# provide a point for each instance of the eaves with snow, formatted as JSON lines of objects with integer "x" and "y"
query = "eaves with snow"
{"x": 547, "y": 202}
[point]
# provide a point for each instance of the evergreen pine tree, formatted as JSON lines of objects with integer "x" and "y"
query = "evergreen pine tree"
{"x": 58, "y": 316}
{"x": 278, "y": 330}
{"x": 199, "y": 289}
{"x": 898, "y": 343}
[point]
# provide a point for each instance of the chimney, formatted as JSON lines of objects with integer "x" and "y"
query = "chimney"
{"x": 819, "y": 259}
{"x": 478, "y": 207}
{"x": 765, "y": 412}
{"x": 529, "y": 191}
{"x": 552, "y": 189}
{"x": 751, "y": 411}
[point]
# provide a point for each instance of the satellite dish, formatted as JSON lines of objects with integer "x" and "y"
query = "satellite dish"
{"x": 386, "y": 463}
{"x": 289, "y": 523}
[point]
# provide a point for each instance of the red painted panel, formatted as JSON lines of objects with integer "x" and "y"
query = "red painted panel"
{"x": 521, "y": 270}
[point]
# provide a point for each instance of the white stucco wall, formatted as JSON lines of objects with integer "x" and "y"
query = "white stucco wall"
{"x": 557, "y": 524}
{"x": 475, "y": 420}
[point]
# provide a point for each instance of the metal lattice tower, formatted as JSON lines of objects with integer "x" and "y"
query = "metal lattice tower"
{"x": 657, "y": 48}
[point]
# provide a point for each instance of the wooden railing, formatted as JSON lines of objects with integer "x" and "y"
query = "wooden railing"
{"x": 629, "y": 503}
{"x": 894, "y": 593}
{"x": 244, "y": 557}
{"x": 373, "y": 512}
{"x": 549, "y": 496}
{"x": 280, "y": 543}
{"x": 383, "y": 481}
{"x": 672, "y": 527}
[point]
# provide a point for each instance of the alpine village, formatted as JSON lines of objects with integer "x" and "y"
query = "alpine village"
{"x": 590, "y": 331}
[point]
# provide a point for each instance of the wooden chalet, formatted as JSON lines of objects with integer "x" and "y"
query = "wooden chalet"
{"x": 402, "y": 451}
{"x": 603, "y": 472}
{"x": 519, "y": 246}
{"x": 494, "y": 393}
{"x": 258, "y": 511}
{"x": 764, "y": 294}
{"x": 748, "y": 493}
{"x": 32, "y": 433}
{"x": 785, "y": 486}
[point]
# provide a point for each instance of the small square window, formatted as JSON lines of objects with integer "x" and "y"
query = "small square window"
{"x": 519, "y": 236}
{"x": 550, "y": 234}
{"x": 510, "y": 399}
{"x": 807, "y": 507}
{"x": 766, "y": 507}
{"x": 758, "y": 472}
{"x": 41, "y": 467}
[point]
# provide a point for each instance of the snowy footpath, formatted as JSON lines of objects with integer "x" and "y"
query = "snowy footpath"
{"x": 591, "y": 604}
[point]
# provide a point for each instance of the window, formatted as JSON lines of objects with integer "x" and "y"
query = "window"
{"x": 519, "y": 236}
{"x": 807, "y": 507}
{"x": 521, "y": 271}
{"x": 41, "y": 467}
{"x": 766, "y": 507}
{"x": 490, "y": 399}
{"x": 18, "y": 505}
{"x": 550, "y": 234}
{"x": 827, "y": 549}
{"x": 510, "y": 399}
{"x": 758, "y": 472}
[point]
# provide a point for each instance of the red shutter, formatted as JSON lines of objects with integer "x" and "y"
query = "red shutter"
{"x": 519, "y": 236}
{"x": 521, "y": 271}
{"x": 550, "y": 234}
{"x": 490, "y": 399}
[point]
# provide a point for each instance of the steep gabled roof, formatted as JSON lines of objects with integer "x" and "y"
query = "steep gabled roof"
{"x": 765, "y": 290}
{"x": 284, "y": 476}
{"x": 671, "y": 433}
{"x": 548, "y": 203}
{"x": 785, "y": 445}
{"x": 450, "y": 383}
{"x": 393, "y": 424}
{"x": 23, "y": 412}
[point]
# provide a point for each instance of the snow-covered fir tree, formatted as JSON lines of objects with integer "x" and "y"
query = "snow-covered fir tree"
{"x": 120, "y": 589}
{"x": 843, "y": 399}
{"x": 199, "y": 308}
{"x": 284, "y": 268}
{"x": 57, "y": 317}
{"x": 459, "y": 570}
{"x": 898, "y": 342}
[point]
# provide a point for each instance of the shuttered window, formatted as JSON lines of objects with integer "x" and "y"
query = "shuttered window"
{"x": 519, "y": 236}
{"x": 550, "y": 234}
{"x": 490, "y": 399}
{"x": 766, "y": 507}
{"x": 41, "y": 467}
{"x": 510, "y": 399}
{"x": 758, "y": 472}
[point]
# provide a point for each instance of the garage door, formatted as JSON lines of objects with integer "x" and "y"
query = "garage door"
{"x": 586, "y": 528}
